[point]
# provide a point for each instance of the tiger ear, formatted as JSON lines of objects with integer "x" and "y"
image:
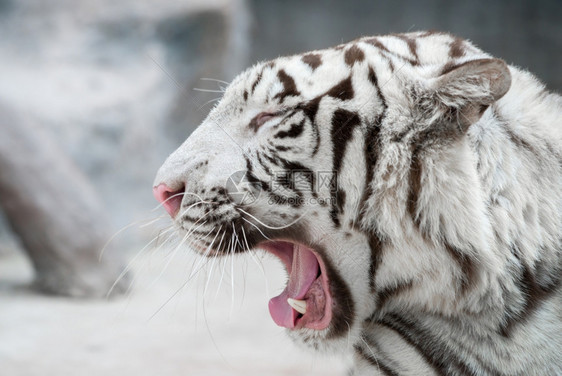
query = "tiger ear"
{"x": 466, "y": 90}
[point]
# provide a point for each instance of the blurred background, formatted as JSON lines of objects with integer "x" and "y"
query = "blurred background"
{"x": 93, "y": 96}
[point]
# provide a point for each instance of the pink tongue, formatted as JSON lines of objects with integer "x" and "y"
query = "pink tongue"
{"x": 303, "y": 273}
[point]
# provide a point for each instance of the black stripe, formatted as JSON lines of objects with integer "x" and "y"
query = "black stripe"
{"x": 257, "y": 81}
{"x": 295, "y": 131}
{"x": 385, "y": 52}
{"x": 273, "y": 159}
{"x": 312, "y": 60}
{"x": 370, "y": 154}
{"x": 213, "y": 217}
{"x": 282, "y": 148}
{"x": 456, "y": 48}
{"x": 433, "y": 350}
{"x": 533, "y": 293}
{"x": 262, "y": 163}
{"x": 375, "y": 362}
{"x": 289, "y": 86}
{"x": 343, "y": 124}
{"x": 421, "y": 343}
{"x": 375, "y": 81}
{"x": 343, "y": 313}
{"x": 253, "y": 125}
{"x": 377, "y": 43}
{"x": 414, "y": 188}
{"x": 412, "y": 46}
{"x": 253, "y": 179}
{"x": 375, "y": 245}
{"x": 317, "y": 138}
{"x": 342, "y": 90}
{"x": 467, "y": 265}
{"x": 390, "y": 64}
{"x": 391, "y": 292}
{"x": 354, "y": 55}
{"x": 310, "y": 109}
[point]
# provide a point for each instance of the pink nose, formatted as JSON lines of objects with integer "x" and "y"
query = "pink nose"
{"x": 170, "y": 199}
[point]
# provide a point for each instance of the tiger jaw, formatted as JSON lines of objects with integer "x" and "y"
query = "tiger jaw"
{"x": 306, "y": 301}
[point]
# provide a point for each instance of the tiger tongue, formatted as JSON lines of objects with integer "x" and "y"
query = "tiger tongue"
{"x": 303, "y": 272}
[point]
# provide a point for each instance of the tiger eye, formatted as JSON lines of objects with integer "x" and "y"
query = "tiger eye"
{"x": 264, "y": 117}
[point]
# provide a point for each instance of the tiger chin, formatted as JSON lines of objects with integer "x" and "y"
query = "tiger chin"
{"x": 411, "y": 185}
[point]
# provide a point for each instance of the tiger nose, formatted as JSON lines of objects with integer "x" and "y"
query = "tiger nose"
{"x": 169, "y": 198}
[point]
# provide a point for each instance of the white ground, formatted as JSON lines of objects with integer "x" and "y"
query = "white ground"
{"x": 45, "y": 336}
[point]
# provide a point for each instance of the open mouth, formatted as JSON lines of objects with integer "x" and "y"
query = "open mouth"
{"x": 306, "y": 301}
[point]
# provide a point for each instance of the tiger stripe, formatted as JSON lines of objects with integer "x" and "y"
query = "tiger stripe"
{"x": 377, "y": 363}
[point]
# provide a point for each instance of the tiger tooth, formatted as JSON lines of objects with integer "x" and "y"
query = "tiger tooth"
{"x": 298, "y": 305}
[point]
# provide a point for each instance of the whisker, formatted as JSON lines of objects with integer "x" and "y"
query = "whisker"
{"x": 206, "y": 103}
{"x": 160, "y": 233}
{"x": 215, "y": 256}
{"x": 173, "y": 295}
{"x": 206, "y": 253}
{"x": 273, "y": 227}
{"x": 231, "y": 254}
{"x": 214, "y": 79}
{"x": 145, "y": 262}
{"x": 204, "y": 261}
{"x": 371, "y": 351}
{"x": 153, "y": 221}
{"x": 130, "y": 264}
{"x": 211, "y": 334}
{"x": 257, "y": 228}
{"x": 150, "y": 221}
{"x": 209, "y": 249}
{"x": 208, "y": 90}
{"x": 236, "y": 236}
{"x": 253, "y": 256}
{"x": 222, "y": 275}
{"x": 180, "y": 214}
{"x": 244, "y": 279}
{"x": 173, "y": 254}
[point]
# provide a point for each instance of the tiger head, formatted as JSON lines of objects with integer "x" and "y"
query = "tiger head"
{"x": 318, "y": 159}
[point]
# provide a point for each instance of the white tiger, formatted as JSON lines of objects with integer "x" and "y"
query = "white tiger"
{"x": 412, "y": 186}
